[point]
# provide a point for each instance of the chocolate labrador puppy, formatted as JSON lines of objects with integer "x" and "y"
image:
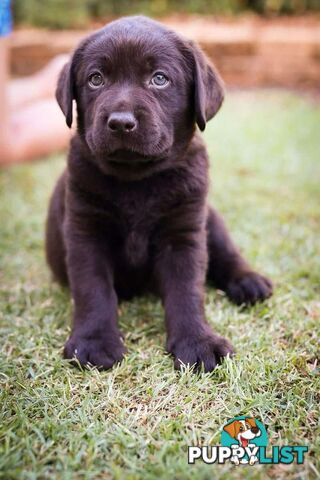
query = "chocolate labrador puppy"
{"x": 130, "y": 213}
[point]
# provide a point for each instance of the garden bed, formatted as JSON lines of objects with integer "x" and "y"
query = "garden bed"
{"x": 249, "y": 51}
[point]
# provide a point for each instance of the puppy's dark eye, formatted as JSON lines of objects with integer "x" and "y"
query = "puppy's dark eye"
{"x": 96, "y": 80}
{"x": 159, "y": 80}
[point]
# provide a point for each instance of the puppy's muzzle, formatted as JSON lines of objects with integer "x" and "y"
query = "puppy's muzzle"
{"x": 130, "y": 157}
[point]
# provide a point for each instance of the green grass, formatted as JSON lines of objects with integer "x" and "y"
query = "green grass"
{"x": 135, "y": 421}
{"x": 76, "y": 14}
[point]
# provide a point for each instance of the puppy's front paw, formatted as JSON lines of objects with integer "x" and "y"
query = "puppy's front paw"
{"x": 249, "y": 288}
{"x": 99, "y": 352}
{"x": 206, "y": 350}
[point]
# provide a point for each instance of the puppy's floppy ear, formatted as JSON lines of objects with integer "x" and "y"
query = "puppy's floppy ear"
{"x": 65, "y": 92}
{"x": 231, "y": 429}
{"x": 251, "y": 421}
{"x": 208, "y": 88}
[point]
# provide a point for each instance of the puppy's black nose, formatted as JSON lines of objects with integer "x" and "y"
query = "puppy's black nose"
{"x": 254, "y": 430}
{"x": 122, "y": 122}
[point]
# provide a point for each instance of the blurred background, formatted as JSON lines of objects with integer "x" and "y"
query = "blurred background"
{"x": 71, "y": 13}
{"x": 252, "y": 42}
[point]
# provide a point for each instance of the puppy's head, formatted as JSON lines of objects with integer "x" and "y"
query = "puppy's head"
{"x": 139, "y": 90}
{"x": 243, "y": 430}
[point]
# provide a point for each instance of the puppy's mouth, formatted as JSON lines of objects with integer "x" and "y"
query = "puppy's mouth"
{"x": 131, "y": 158}
{"x": 244, "y": 441}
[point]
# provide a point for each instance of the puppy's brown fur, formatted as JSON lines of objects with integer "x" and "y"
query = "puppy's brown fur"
{"x": 130, "y": 213}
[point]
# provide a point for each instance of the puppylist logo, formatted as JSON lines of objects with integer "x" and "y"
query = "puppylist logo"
{"x": 244, "y": 441}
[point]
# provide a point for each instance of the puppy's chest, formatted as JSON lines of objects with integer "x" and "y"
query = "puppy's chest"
{"x": 136, "y": 215}
{"x": 138, "y": 210}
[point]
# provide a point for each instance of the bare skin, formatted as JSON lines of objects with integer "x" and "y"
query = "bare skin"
{"x": 31, "y": 123}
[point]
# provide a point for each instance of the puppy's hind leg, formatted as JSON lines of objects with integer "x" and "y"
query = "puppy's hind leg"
{"x": 228, "y": 270}
{"x": 55, "y": 248}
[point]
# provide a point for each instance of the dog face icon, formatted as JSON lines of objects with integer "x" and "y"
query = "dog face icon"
{"x": 243, "y": 430}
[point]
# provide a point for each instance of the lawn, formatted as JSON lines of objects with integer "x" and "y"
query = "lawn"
{"x": 136, "y": 421}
